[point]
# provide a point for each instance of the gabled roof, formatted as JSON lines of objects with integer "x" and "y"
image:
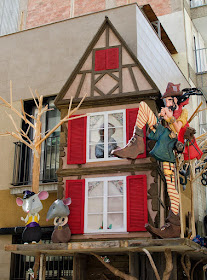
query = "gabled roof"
{"x": 107, "y": 70}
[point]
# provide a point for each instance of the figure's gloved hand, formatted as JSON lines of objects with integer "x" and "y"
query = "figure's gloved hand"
{"x": 189, "y": 133}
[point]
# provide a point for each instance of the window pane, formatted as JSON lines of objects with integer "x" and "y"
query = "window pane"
{"x": 95, "y": 136}
{"x": 115, "y": 187}
{"x": 95, "y": 222}
{"x": 115, "y": 204}
{"x": 115, "y": 131}
{"x": 96, "y": 151}
{"x": 96, "y": 121}
{"x": 116, "y": 119}
{"x": 95, "y": 188}
{"x": 115, "y": 221}
{"x": 95, "y": 205}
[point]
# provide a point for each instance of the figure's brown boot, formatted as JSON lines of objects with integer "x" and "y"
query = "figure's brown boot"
{"x": 134, "y": 147}
{"x": 167, "y": 231}
{"x": 173, "y": 219}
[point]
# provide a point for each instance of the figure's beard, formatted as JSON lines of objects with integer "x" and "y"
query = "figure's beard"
{"x": 172, "y": 108}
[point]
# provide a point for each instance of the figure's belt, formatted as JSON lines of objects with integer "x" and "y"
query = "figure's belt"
{"x": 33, "y": 224}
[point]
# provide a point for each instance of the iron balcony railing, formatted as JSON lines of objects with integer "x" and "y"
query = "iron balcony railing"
{"x": 201, "y": 60}
{"x": 23, "y": 159}
{"x": 197, "y": 3}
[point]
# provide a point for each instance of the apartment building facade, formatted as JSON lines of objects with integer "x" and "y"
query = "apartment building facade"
{"x": 45, "y": 55}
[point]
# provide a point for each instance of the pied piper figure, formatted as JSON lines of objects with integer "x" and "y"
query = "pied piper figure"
{"x": 176, "y": 118}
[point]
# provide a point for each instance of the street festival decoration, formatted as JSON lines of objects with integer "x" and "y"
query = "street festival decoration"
{"x": 31, "y": 204}
{"x": 35, "y": 146}
{"x": 59, "y": 211}
{"x": 172, "y": 138}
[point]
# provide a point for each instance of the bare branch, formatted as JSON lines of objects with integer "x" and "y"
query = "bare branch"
{"x": 71, "y": 100}
{"x": 168, "y": 266}
{"x": 13, "y": 122}
{"x": 75, "y": 109}
{"x": 5, "y": 134}
{"x": 152, "y": 263}
{"x": 27, "y": 130}
{"x": 23, "y": 109}
{"x": 114, "y": 270}
{"x": 13, "y": 109}
{"x": 33, "y": 97}
{"x": 38, "y": 96}
{"x": 199, "y": 174}
{"x": 200, "y": 136}
{"x": 192, "y": 272}
{"x": 36, "y": 265}
{"x": 26, "y": 136}
{"x": 186, "y": 267}
{"x": 32, "y": 117}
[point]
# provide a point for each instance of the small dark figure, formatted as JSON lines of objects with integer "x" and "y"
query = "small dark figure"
{"x": 99, "y": 149}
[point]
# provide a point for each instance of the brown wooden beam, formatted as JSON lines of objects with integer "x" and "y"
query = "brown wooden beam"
{"x": 109, "y": 170}
{"x": 106, "y": 100}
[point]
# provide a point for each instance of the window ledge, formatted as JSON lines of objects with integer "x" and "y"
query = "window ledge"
{"x": 49, "y": 187}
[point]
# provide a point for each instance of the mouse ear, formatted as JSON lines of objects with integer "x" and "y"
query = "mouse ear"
{"x": 43, "y": 195}
{"x": 67, "y": 201}
{"x": 19, "y": 201}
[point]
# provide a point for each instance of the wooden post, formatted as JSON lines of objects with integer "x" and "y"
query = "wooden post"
{"x": 192, "y": 206}
{"x": 181, "y": 206}
{"x": 42, "y": 270}
{"x": 37, "y": 157}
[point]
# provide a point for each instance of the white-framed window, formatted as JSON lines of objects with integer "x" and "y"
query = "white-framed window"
{"x": 106, "y": 131}
{"x": 105, "y": 205}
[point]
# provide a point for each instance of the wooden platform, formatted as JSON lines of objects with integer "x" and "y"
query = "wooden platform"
{"x": 110, "y": 246}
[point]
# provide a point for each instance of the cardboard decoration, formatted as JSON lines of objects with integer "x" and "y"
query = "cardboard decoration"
{"x": 32, "y": 205}
{"x": 59, "y": 211}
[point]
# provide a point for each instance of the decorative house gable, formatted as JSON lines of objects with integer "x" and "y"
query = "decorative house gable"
{"x": 107, "y": 69}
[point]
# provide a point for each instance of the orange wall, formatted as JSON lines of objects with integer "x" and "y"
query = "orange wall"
{"x": 10, "y": 213}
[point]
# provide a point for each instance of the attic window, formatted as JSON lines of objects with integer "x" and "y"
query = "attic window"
{"x": 107, "y": 59}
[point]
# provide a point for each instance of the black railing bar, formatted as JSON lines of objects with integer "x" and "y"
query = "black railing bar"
{"x": 20, "y": 166}
{"x": 24, "y": 260}
{"x": 25, "y": 163}
{"x": 50, "y": 159}
{"x": 53, "y": 267}
{"x": 63, "y": 258}
{"x": 56, "y": 143}
{"x": 19, "y": 272}
{"x": 14, "y": 169}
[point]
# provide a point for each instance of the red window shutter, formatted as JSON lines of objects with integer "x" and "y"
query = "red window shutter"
{"x": 131, "y": 116}
{"x": 77, "y": 141}
{"x": 100, "y": 60}
{"x": 75, "y": 189}
{"x": 112, "y": 58}
{"x": 137, "y": 215}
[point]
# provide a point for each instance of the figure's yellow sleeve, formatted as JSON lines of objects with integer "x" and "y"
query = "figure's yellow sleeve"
{"x": 183, "y": 117}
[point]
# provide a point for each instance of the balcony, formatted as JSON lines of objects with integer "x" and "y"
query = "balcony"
{"x": 199, "y": 16}
{"x": 201, "y": 60}
{"x": 197, "y": 3}
{"x": 22, "y": 171}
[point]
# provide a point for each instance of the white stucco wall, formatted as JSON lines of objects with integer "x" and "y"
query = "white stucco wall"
{"x": 154, "y": 56}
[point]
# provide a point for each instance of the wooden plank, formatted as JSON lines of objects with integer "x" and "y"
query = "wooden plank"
{"x": 109, "y": 246}
{"x": 110, "y": 169}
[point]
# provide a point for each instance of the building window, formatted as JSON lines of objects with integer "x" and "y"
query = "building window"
{"x": 105, "y": 205}
{"x": 23, "y": 157}
{"x": 106, "y": 59}
{"x": 9, "y": 14}
{"x": 105, "y": 132}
